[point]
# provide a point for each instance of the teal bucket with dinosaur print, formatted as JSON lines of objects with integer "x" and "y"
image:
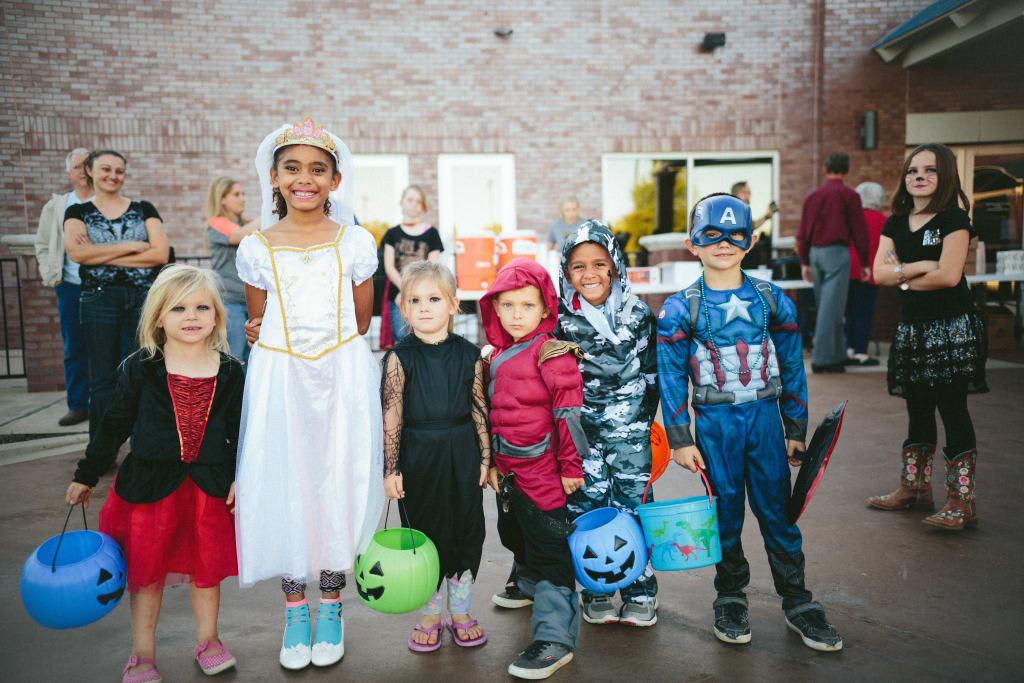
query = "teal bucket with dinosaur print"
{"x": 682, "y": 533}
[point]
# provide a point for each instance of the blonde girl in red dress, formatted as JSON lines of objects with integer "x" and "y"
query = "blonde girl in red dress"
{"x": 170, "y": 507}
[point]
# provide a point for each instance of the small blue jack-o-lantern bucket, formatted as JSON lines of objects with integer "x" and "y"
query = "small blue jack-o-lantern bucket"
{"x": 607, "y": 549}
{"x": 73, "y": 579}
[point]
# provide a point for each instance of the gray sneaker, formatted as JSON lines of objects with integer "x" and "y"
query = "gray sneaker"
{"x": 541, "y": 659}
{"x": 809, "y": 621}
{"x": 639, "y": 613}
{"x": 599, "y": 610}
{"x": 732, "y": 620}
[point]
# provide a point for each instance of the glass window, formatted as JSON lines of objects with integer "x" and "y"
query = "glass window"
{"x": 380, "y": 179}
{"x": 646, "y": 193}
{"x": 476, "y": 192}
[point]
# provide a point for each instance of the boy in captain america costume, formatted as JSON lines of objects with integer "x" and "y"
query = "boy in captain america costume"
{"x": 735, "y": 338}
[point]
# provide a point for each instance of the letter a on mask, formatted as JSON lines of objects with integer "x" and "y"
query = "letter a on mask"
{"x": 727, "y": 215}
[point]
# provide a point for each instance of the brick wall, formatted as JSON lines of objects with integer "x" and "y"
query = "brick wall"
{"x": 187, "y": 90}
{"x": 44, "y": 350}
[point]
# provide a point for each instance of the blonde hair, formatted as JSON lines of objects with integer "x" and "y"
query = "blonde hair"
{"x": 174, "y": 283}
{"x": 423, "y": 195}
{"x": 219, "y": 189}
{"x": 565, "y": 200}
{"x": 435, "y": 273}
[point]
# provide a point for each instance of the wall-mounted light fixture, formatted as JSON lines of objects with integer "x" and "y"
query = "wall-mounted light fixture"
{"x": 712, "y": 41}
{"x": 869, "y": 130}
{"x": 503, "y": 32}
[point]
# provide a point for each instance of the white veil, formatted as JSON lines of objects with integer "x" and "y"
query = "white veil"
{"x": 341, "y": 199}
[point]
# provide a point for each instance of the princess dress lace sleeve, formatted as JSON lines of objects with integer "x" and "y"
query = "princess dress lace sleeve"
{"x": 252, "y": 261}
{"x": 361, "y": 249}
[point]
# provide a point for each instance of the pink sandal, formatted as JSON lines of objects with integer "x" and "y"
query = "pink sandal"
{"x": 147, "y": 676}
{"x": 213, "y": 663}
{"x": 425, "y": 647}
{"x": 453, "y": 625}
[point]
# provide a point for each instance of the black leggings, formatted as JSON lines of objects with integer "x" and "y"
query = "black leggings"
{"x": 951, "y": 400}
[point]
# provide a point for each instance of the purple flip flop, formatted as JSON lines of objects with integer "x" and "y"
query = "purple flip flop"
{"x": 425, "y": 647}
{"x": 452, "y": 626}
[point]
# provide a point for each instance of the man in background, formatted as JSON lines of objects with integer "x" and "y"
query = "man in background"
{"x": 832, "y": 219}
{"x": 58, "y": 271}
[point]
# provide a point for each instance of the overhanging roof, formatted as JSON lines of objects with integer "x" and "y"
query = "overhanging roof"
{"x": 943, "y": 26}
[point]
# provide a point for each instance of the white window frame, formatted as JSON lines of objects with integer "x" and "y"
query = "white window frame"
{"x": 399, "y": 165}
{"x": 446, "y": 188}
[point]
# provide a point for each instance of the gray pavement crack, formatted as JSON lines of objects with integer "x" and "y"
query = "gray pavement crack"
{"x": 31, "y": 412}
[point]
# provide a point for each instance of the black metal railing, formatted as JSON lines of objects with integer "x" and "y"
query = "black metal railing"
{"x": 12, "y": 362}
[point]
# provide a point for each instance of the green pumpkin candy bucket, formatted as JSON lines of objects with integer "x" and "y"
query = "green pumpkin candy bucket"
{"x": 399, "y": 571}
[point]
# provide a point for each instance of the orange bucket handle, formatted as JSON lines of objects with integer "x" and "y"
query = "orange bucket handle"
{"x": 707, "y": 486}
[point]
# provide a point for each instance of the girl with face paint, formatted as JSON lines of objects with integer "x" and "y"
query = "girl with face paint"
{"x": 939, "y": 349}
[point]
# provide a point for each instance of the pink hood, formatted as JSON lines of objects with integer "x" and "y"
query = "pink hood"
{"x": 518, "y": 273}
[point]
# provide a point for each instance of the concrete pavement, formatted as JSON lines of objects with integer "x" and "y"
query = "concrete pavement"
{"x": 912, "y": 603}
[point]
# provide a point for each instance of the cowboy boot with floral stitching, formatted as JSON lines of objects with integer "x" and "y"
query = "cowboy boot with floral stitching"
{"x": 959, "y": 510}
{"x": 915, "y": 489}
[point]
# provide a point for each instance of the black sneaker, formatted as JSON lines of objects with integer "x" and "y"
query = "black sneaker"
{"x": 828, "y": 369}
{"x": 541, "y": 659}
{"x": 732, "y": 620}
{"x": 809, "y": 621}
{"x": 512, "y": 598}
{"x": 73, "y": 417}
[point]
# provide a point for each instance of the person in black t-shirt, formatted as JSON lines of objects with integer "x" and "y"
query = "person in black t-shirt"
{"x": 411, "y": 240}
{"x": 120, "y": 244}
{"x": 938, "y": 352}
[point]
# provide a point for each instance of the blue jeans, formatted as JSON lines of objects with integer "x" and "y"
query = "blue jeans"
{"x": 110, "y": 316}
{"x": 76, "y": 356}
{"x": 860, "y": 308}
{"x": 237, "y": 315}
{"x": 399, "y": 328}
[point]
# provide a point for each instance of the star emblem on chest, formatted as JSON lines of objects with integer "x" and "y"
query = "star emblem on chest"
{"x": 735, "y": 307}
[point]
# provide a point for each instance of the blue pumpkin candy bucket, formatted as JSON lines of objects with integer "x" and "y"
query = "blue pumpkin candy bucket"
{"x": 682, "y": 533}
{"x": 607, "y": 549}
{"x": 73, "y": 579}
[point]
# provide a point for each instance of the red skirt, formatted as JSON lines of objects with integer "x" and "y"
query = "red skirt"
{"x": 187, "y": 537}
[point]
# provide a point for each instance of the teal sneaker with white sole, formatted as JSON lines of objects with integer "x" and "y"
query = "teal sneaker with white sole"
{"x": 329, "y": 644}
{"x": 295, "y": 650}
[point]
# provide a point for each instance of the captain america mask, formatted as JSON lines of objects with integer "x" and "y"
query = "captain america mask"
{"x": 725, "y": 214}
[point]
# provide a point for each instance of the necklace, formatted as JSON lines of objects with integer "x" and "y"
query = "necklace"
{"x": 711, "y": 333}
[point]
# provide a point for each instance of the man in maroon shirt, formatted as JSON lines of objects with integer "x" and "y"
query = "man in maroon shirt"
{"x": 832, "y": 219}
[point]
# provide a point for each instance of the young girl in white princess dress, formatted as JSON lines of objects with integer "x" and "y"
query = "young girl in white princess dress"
{"x": 309, "y": 481}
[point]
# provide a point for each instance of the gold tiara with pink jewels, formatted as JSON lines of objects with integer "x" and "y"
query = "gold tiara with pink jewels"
{"x": 306, "y": 133}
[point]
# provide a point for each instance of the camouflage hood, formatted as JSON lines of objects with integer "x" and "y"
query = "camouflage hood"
{"x": 594, "y": 231}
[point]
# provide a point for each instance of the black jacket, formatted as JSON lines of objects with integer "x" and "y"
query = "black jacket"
{"x": 142, "y": 408}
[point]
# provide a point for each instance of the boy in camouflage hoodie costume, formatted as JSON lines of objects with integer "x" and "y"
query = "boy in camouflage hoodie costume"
{"x": 616, "y": 332}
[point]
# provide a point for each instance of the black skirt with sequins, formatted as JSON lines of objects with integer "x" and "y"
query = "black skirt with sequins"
{"x": 939, "y": 352}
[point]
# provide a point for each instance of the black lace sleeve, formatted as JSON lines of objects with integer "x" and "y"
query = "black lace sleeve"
{"x": 392, "y": 397}
{"x": 480, "y": 413}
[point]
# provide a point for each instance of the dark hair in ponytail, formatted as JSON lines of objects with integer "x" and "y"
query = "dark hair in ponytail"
{"x": 94, "y": 155}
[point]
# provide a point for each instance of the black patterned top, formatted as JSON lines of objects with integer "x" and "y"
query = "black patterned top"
{"x": 128, "y": 227}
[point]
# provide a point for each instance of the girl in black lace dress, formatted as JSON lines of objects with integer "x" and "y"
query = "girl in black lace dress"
{"x": 436, "y": 446}
{"x": 939, "y": 349}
